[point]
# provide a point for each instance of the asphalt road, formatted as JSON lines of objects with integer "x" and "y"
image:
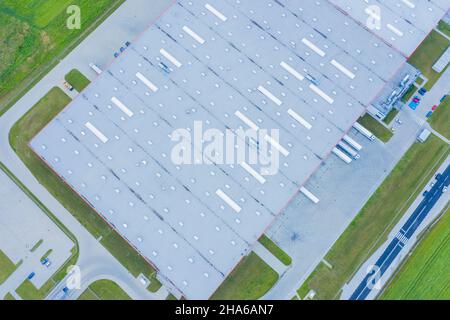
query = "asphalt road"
{"x": 406, "y": 232}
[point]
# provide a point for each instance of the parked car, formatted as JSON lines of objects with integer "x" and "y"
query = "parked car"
{"x": 429, "y": 114}
{"x": 116, "y": 54}
{"x": 416, "y": 99}
{"x": 128, "y": 43}
{"x": 413, "y": 105}
{"x": 46, "y": 262}
{"x": 443, "y": 98}
{"x": 422, "y": 91}
{"x": 68, "y": 86}
{"x": 434, "y": 107}
{"x": 122, "y": 49}
{"x": 31, "y": 276}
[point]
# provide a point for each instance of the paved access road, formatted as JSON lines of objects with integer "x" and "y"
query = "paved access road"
{"x": 406, "y": 232}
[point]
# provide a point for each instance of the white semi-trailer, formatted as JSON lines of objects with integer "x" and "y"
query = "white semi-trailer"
{"x": 353, "y": 143}
{"x": 309, "y": 195}
{"x": 349, "y": 150}
{"x": 342, "y": 155}
{"x": 369, "y": 135}
{"x": 95, "y": 68}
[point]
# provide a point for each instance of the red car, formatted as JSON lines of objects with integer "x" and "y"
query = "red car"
{"x": 434, "y": 107}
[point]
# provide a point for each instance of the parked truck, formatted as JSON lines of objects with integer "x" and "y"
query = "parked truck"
{"x": 342, "y": 155}
{"x": 353, "y": 143}
{"x": 369, "y": 135}
{"x": 355, "y": 155}
{"x": 94, "y": 67}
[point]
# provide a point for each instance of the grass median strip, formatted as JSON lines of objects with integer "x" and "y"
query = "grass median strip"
{"x": 275, "y": 250}
{"x": 250, "y": 280}
{"x": 380, "y": 131}
{"x": 7, "y": 267}
{"x": 390, "y": 116}
{"x": 77, "y": 80}
{"x": 20, "y": 135}
{"x": 104, "y": 290}
{"x": 377, "y": 218}
{"x": 425, "y": 274}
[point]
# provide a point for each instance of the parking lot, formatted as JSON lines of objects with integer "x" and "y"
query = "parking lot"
{"x": 22, "y": 227}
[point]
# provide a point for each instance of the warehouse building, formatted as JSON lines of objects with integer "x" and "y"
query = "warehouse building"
{"x": 308, "y": 72}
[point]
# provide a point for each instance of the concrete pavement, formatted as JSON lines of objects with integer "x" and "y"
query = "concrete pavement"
{"x": 94, "y": 260}
{"x": 269, "y": 258}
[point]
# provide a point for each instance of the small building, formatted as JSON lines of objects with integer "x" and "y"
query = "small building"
{"x": 442, "y": 62}
{"x": 423, "y": 136}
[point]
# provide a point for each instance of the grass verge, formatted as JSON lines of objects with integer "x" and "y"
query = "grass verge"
{"x": 425, "y": 274}
{"x": 440, "y": 120}
{"x": 250, "y": 280}
{"x": 427, "y": 54}
{"x": 376, "y": 219}
{"x": 104, "y": 290}
{"x": 7, "y": 267}
{"x": 34, "y": 39}
{"x": 77, "y": 80}
{"x": 9, "y": 296}
{"x": 444, "y": 27}
{"x": 409, "y": 93}
{"x": 391, "y": 116}
{"x": 275, "y": 250}
{"x": 380, "y": 131}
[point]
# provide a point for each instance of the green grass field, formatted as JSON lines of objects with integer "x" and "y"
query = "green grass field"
{"x": 373, "y": 223}
{"x": 34, "y": 37}
{"x": 391, "y": 116}
{"x": 20, "y": 135}
{"x": 250, "y": 280}
{"x": 27, "y": 291}
{"x": 380, "y": 131}
{"x": 104, "y": 290}
{"x": 7, "y": 267}
{"x": 427, "y": 54}
{"x": 9, "y": 296}
{"x": 425, "y": 274}
{"x": 409, "y": 93}
{"x": 440, "y": 120}
{"x": 275, "y": 250}
{"x": 77, "y": 80}
{"x": 444, "y": 27}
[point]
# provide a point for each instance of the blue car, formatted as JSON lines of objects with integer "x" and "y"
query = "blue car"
{"x": 413, "y": 105}
{"x": 116, "y": 55}
{"x": 422, "y": 91}
{"x": 127, "y": 44}
{"x": 429, "y": 114}
{"x": 122, "y": 49}
{"x": 31, "y": 276}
